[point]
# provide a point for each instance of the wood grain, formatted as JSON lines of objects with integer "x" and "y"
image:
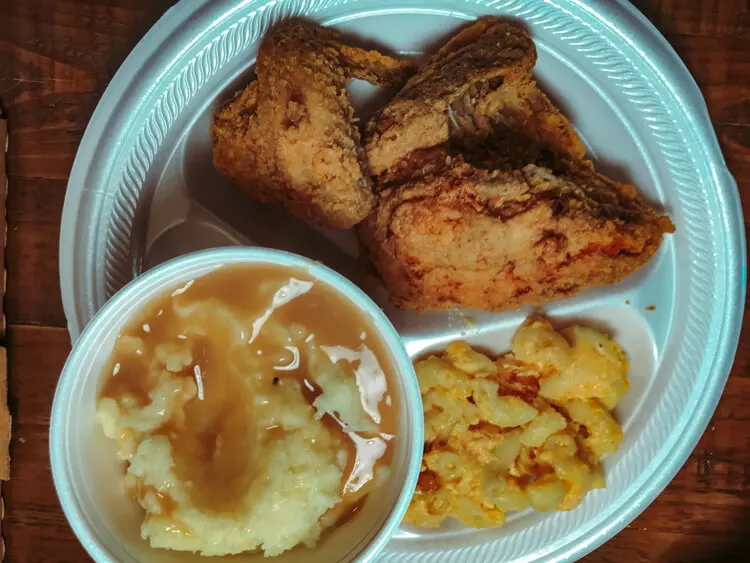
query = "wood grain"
{"x": 34, "y": 527}
{"x": 56, "y": 58}
{"x": 698, "y": 17}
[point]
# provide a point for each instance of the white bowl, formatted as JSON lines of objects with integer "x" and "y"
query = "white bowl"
{"x": 88, "y": 476}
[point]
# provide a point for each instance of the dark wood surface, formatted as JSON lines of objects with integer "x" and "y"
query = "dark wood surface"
{"x": 56, "y": 58}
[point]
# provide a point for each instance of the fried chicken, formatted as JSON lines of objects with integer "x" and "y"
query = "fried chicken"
{"x": 480, "y": 78}
{"x": 500, "y": 239}
{"x": 486, "y": 201}
{"x": 291, "y": 136}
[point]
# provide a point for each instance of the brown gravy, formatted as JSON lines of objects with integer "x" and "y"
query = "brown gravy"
{"x": 214, "y": 437}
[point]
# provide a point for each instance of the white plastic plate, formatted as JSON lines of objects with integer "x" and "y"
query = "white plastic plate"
{"x": 143, "y": 189}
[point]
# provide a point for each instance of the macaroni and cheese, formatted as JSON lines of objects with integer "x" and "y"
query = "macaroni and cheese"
{"x": 525, "y": 430}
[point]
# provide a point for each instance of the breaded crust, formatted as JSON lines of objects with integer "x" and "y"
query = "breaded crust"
{"x": 499, "y": 240}
{"x": 291, "y": 137}
{"x": 480, "y": 78}
{"x": 485, "y": 199}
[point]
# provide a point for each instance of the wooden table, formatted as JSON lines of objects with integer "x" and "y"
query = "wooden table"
{"x": 56, "y": 58}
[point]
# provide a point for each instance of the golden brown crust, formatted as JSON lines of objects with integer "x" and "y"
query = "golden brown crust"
{"x": 291, "y": 137}
{"x": 523, "y": 111}
{"x": 240, "y": 151}
{"x": 486, "y": 200}
{"x": 479, "y": 80}
{"x": 498, "y": 240}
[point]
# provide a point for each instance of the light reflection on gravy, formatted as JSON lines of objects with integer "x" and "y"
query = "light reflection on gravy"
{"x": 214, "y": 437}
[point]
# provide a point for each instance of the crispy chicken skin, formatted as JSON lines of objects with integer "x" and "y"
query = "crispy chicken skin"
{"x": 485, "y": 199}
{"x": 480, "y": 77}
{"x": 291, "y": 137}
{"x": 496, "y": 240}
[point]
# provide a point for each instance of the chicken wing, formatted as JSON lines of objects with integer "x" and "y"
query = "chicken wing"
{"x": 501, "y": 239}
{"x": 291, "y": 136}
{"x": 479, "y": 78}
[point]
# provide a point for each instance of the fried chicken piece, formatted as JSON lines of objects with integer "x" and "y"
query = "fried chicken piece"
{"x": 501, "y": 239}
{"x": 486, "y": 200}
{"x": 480, "y": 78}
{"x": 291, "y": 136}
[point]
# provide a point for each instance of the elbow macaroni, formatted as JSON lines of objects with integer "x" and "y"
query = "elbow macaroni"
{"x": 526, "y": 430}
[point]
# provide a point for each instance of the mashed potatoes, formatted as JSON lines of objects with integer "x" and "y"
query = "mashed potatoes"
{"x": 526, "y": 430}
{"x": 239, "y": 434}
{"x": 293, "y": 481}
